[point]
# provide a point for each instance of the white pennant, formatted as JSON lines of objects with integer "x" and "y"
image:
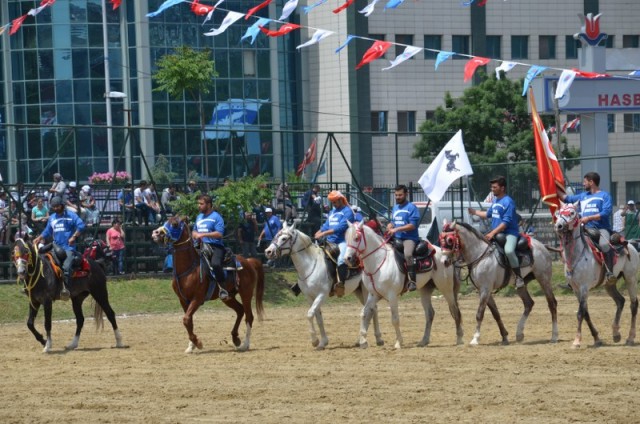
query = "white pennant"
{"x": 318, "y": 36}
{"x": 407, "y": 54}
{"x": 504, "y": 66}
{"x": 288, "y": 9}
{"x": 226, "y": 23}
{"x": 368, "y": 10}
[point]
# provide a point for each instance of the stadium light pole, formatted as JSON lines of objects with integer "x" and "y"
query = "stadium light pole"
{"x": 107, "y": 88}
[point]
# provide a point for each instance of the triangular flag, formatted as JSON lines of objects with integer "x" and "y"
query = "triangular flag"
{"x": 254, "y": 29}
{"x": 504, "y": 67}
{"x": 34, "y": 12}
{"x": 284, "y": 29}
{"x": 308, "y": 9}
{"x": 226, "y": 23}
{"x": 164, "y": 6}
{"x": 533, "y": 72}
{"x": 376, "y": 51}
{"x": 472, "y": 65}
{"x": 407, "y": 54}
{"x": 392, "y": 4}
{"x": 442, "y": 56}
{"x": 344, "y": 6}
{"x": 565, "y": 81}
{"x": 258, "y": 7}
{"x": 635, "y": 73}
{"x": 288, "y": 9}
{"x": 318, "y": 36}
{"x": 16, "y": 24}
{"x": 201, "y": 9}
{"x": 450, "y": 164}
{"x": 368, "y": 10}
{"x": 585, "y": 74}
{"x": 348, "y": 40}
{"x": 116, "y": 3}
{"x": 4, "y": 28}
{"x": 309, "y": 157}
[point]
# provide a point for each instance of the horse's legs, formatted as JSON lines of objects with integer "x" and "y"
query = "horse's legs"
{"x": 187, "y": 320}
{"x": 48, "y": 309}
{"x": 451, "y": 296}
{"x": 583, "y": 314}
{"x": 34, "y": 306}
{"x": 528, "y": 303}
{"x": 233, "y": 303}
{"x": 367, "y": 312}
{"x": 315, "y": 312}
{"x": 612, "y": 291}
{"x": 101, "y": 296}
{"x": 395, "y": 318}
{"x": 491, "y": 303}
{"x": 425, "y": 298}
{"x": 552, "y": 303}
{"x": 76, "y": 302}
{"x": 632, "y": 287}
{"x": 359, "y": 292}
{"x": 482, "y": 305}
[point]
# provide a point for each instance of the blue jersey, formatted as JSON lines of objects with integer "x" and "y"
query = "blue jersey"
{"x": 61, "y": 227}
{"x": 404, "y": 214}
{"x": 503, "y": 210}
{"x": 208, "y": 224}
{"x": 271, "y": 227}
{"x": 338, "y": 221}
{"x": 594, "y": 204}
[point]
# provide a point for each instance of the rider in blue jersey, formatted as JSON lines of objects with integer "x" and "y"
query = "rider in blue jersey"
{"x": 404, "y": 227}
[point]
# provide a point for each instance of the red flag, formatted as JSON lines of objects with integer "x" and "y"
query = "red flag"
{"x": 585, "y": 74}
{"x": 284, "y": 29}
{"x": 376, "y": 51}
{"x": 16, "y": 24}
{"x": 344, "y": 6}
{"x": 309, "y": 158}
{"x": 49, "y": 2}
{"x": 116, "y": 3}
{"x": 472, "y": 65}
{"x": 201, "y": 9}
{"x": 549, "y": 172}
{"x": 258, "y": 7}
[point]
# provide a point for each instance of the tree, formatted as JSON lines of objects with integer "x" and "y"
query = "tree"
{"x": 496, "y": 124}
{"x": 160, "y": 171}
{"x": 187, "y": 71}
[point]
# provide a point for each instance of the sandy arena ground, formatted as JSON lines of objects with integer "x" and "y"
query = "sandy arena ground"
{"x": 283, "y": 379}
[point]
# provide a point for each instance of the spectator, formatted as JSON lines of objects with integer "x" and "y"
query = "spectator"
{"x": 142, "y": 208}
{"x": 127, "y": 206}
{"x": 272, "y": 225}
{"x": 71, "y": 198}
{"x": 168, "y": 195}
{"x": 88, "y": 206}
{"x": 618, "y": 219}
{"x": 191, "y": 187}
{"x": 284, "y": 203}
{"x": 58, "y": 187}
{"x": 631, "y": 223}
{"x": 357, "y": 213}
{"x": 312, "y": 204}
{"x": 247, "y": 235}
{"x": 151, "y": 199}
{"x": 115, "y": 241}
{"x": 39, "y": 215}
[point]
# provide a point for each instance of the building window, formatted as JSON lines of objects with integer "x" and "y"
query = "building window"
{"x": 519, "y": 47}
{"x": 460, "y": 44}
{"x": 494, "y": 46}
{"x": 407, "y": 121}
{"x": 631, "y": 122}
{"x": 249, "y": 63}
{"x": 609, "y": 42}
{"x": 630, "y": 41}
{"x": 405, "y": 40}
{"x": 633, "y": 190}
{"x": 379, "y": 122}
{"x": 571, "y": 47}
{"x": 432, "y": 42}
{"x": 611, "y": 122}
{"x": 547, "y": 46}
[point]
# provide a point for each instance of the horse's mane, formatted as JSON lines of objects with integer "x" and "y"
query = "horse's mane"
{"x": 471, "y": 229}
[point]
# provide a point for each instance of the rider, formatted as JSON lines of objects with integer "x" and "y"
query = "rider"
{"x": 404, "y": 227}
{"x": 209, "y": 230}
{"x": 503, "y": 220}
{"x": 595, "y": 212}
{"x": 65, "y": 226}
{"x": 334, "y": 228}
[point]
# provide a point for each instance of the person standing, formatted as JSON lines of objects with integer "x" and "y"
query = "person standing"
{"x": 631, "y": 223}
{"x": 272, "y": 225}
{"x": 58, "y": 187}
{"x": 312, "y": 204}
{"x": 65, "y": 227}
{"x": 247, "y": 232}
{"x": 71, "y": 198}
{"x": 334, "y": 229}
{"x": 115, "y": 241}
{"x": 404, "y": 227}
{"x": 595, "y": 212}
{"x": 503, "y": 220}
{"x": 619, "y": 218}
{"x": 209, "y": 230}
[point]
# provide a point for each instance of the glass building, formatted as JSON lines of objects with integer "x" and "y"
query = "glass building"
{"x": 54, "y": 111}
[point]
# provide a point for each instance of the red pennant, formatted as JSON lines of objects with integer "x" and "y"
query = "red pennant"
{"x": 116, "y": 3}
{"x": 472, "y": 65}
{"x": 16, "y": 24}
{"x": 344, "y": 6}
{"x": 309, "y": 158}
{"x": 585, "y": 74}
{"x": 255, "y": 9}
{"x": 201, "y": 9}
{"x": 48, "y": 2}
{"x": 284, "y": 29}
{"x": 376, "y": 51}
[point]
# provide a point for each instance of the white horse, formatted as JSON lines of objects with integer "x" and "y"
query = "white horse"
{"x": 384, "y": 279}
{"x": 486, "y": 274}
{"x": 584, "y": 272}
{"x": 314, "y": 279}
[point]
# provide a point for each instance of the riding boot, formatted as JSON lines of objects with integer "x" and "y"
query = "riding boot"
{"x": 411, "y": 273}
{"x": 343, "y": 271}
{"x": 65, "y": 294}
{"x": 608, "y": 261}
{"x": 519, "y": 279}
{"x": 295, "y": 289}
{"x": 222, "y": 292}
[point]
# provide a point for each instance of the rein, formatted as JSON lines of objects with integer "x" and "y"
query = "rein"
{"x": 280, "y": 250}
{"x": 568, "y": 242}
{"x": 183, "y": 245}
{"x": 469, "y": 265}
{"x": 361, "y": 232}
{"x": 34, "y": 276}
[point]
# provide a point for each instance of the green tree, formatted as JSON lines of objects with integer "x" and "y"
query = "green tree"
{"x": 496, "y": 124}
{"x": 160, "y": 171}
{"x": 187, "y": 71}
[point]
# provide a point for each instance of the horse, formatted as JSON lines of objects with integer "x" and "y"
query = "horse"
{"x": 486, "y": 273}
{"x": 193, "y": 286}
{"x": 42, "y": 283}
{"x": 384, "y": 279}
{"x": 314, "y": 278}
{"x": 584, "y": 272}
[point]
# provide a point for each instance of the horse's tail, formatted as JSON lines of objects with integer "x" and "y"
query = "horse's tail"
{"x": 98, "y": 316}
{"x": 257, "y": 266}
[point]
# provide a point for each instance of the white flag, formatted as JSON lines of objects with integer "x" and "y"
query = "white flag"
{"x": 318, "y": 36}
{"x": 409, "y": 52}
{"x": 368, "y": 10}
{"x": 565, "y": 81}
{"x": 450, "y": 164}
{"x": 288, "y": 9}
{"x": 504, "y": 66}
{"x": 226, "y": 23}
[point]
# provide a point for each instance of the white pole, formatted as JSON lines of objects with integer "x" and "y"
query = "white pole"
{"x": 107, "y": 87}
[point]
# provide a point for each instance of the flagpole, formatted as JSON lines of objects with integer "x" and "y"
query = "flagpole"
{"x": 107, "y": 88}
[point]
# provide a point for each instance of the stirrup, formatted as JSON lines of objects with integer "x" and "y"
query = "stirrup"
{"x": 610, "y": 277}
{"x": 64, "y": 294}
{"x": 411, "y": 286}
{"x": 222, "y": 293}
{"x": 338, "y": 288}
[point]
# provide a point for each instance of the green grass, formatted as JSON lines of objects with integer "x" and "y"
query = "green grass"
{"x": 154, "y": 295}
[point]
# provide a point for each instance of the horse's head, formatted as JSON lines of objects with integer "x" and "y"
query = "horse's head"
{"x": 23, "y": 257}
{"x": 356, "y": 239}
{"x": 567, "y": 218}
{"x": 170, "y": 232}
{"x": 283, "y": 242}
{"x": 449, "y": 240}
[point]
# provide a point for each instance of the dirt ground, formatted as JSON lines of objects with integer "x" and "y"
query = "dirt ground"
{"x": 283, "y": 379}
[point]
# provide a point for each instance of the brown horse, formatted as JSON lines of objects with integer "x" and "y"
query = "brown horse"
{"x": 194, "y": 287}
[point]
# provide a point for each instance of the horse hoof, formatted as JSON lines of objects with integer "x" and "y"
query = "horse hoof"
{"x": 380, "y": 343}
{"x": 505, "y": 342}
{"x": 364, "y": 345}
{"x": 519, "y": 337}
{"x": 597, "y": 343}
{"x": 315, "y": 343}
{"x": 236, "y": 341}
{"x": 630, "y": 343}
{"x": 320, "y": 348}
{"x": 199, "y": 345}
{"x": 617, "y": 338}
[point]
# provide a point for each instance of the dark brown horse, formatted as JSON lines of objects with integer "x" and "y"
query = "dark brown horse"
{"x": 194, "y": 287}
{"x": 42, "y": 282}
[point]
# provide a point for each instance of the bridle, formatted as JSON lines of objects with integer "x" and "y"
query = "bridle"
{"x": 360, "y": 237}
{"x": 569, "y": 215}
{"x": 27, "y": 261}
{"x": 291, "y": 241}
{"x": 171, "y": 234}
{"x": 450, "y": 241}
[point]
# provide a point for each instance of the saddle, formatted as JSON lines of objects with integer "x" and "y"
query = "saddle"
{"x": 230, "y": 267}
{"x": 99, "y": 252}
{"x": 331, "y": 253}
{"x": 422, "y": 255}
{"x": 616, "y": 241}
{"x": 80, "y": 267}
{"x": 523, "y": 250}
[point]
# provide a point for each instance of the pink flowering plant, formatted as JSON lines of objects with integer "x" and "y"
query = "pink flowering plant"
{"x": 120, "y": 177}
